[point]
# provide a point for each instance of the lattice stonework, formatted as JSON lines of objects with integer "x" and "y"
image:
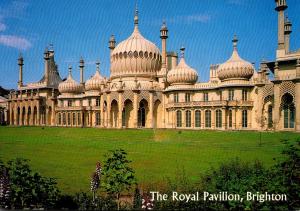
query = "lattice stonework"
{"x": 287, "y": 87}
{"x": 157, "y": 96}
{"x": 143, "y": 95}
{"x": 268, "y": 90}
{"x": 114, "y": 96}
{"x": 127, "y": 95}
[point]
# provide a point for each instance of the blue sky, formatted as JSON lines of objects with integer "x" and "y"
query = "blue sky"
{"x": 82, "y": 28}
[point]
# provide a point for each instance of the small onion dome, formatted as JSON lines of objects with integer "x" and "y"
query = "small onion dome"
{"x": 95, "y": 82}
{"x": 182, "y": 73}
{"x": 235, "y": 67}
{"x": 70, "y": 86}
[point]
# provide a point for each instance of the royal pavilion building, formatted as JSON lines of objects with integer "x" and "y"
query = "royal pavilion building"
{"x": 149, "y": 87}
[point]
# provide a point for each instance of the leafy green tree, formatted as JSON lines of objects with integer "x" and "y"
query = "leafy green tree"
{"x": 29, "y": 189}
{"x": 118, "y": 176}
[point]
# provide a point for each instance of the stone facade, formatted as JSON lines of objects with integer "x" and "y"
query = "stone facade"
{"x": 150, "y": 89}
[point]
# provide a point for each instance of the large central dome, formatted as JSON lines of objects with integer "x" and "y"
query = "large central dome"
{"x": 135, "y": 56}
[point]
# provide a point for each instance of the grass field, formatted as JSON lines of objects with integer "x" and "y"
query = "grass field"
{"x": 70, "y": 154}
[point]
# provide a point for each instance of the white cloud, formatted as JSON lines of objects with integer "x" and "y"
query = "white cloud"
{"x": 197, "y": 18}
{"x": 15, "y": 42}
{"x": 2, "y": 27}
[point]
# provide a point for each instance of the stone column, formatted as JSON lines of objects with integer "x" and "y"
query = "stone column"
{"x": 108, "y": 111}
{"x": 135, "y": 109}
{"x": 234, "y": 118}
{"x": 16, "y": 115}
{"x": 120, "y": 107}
{"x": 10, "y": 114}
{"x": 101, "y": 110}
{"x": 38, "y": 113}
{"x": 213, "y": 118}
{"x": 53, "y": 113}
{"x": 297, "y": 105}
{"x": 224, "y": 122}
{"x": 193, "y": 118}
{"x": 151, "y": 105}
{"x": 32, "y": 113}
{"x": 276, "y": 111}
{"x": 249, "y": 117}
{"x": 202, "y": 119}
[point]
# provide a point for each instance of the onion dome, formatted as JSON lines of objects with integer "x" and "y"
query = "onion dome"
{"x": 235, "y": 68}
{"x": 95, "y": 82}
{"x": 182, "y": 73}
{"x": 135, "y": 56}
{"x": 70, "y": 86}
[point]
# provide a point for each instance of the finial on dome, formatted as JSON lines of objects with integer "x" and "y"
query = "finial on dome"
{"x": 98, "y": 65}
{"x": 182, "y": 49}
{"x": 70, "y": 70}
{"x": 136, "y": 14}
{"x": 235, "y": 41}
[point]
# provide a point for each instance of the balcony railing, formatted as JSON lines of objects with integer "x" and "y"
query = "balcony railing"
{"x": 218, "y": 103}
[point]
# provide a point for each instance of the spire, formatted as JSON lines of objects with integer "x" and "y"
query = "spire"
{"x": 136, "y": 15}
{"x": 182, "y": 49}
{"x": 235, "y": 41}
{"x": 98, "y": 66}
{"x": 70, "y": 72}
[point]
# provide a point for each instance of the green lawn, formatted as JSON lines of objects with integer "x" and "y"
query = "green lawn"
{"x": 70, "y": 154}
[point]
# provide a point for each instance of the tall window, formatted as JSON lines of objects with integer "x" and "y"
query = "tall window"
{"x": 74, "y": 119}
{"x": 205, "y": 97}
{"x": 187, "y": 97}
{"x": 245, "y": 118}
{"x": 218, "y": 118}
{"x": 178, "y": 119}
{"x": 188, "y": 119}
{"x": 176, "y": 98}
{"x": 69, "y": 103}
{"x": 221, "y": 95}
{"x": 231, "y": 94}
{"x": 230, "y": 118}
{"x": 124, "y": 118}
{"x": 89, "y": 102}
{"x": 64, "y": 118}
{"x": 69, "y": 119}
{"x": 98, "y": 101}
{"x": 288, "y": 111}
{"x": 270, "y": 116}
{"x": 59, "y": 119}
{"x": 97, "y": 118}
{"x": 78, "y": 119}
{"x": 197, "y": 118}
{"x": 244, "y": 95}
{"x": 208, "y": 118}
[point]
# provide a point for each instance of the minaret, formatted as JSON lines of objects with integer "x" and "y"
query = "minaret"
{"x": 280, "y": 7}
{"x": 164, "y": 36}
{"x": 81, "y": 67}
{"x": 47, "y": 58}
{"x": 112, "y": 43}
{"x": 287, "y": 32}
{"x": 20, "y": 63}
{"x": 235, "y": 42}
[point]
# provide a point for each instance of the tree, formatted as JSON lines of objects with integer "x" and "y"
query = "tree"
{"x": 27, "y": 189}
{"x": 118, "y": 176}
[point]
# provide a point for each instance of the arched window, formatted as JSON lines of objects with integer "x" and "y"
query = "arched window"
{"x": 179, "y": 119}
{"x": 245, "y": 119}
{"x": 288, "y": 111}
{"x": 97, "y": 118}
{"x": 218, "y": 118}
{"x": 230, "y": 119}
{"x": 197, "y": 118}
{"x": 208, "y": 118}
{"x": 188, "y": 119}
{"x": 270, "y": 116}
